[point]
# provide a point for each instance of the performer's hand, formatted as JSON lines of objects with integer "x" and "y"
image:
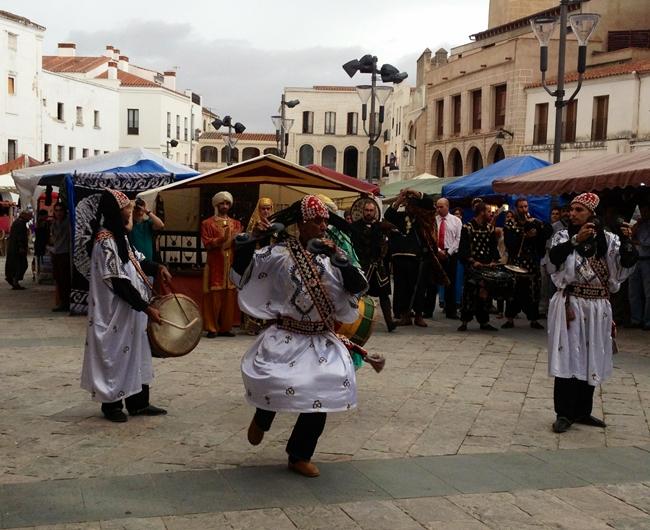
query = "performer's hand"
{"x": 165, "y": 275}
{"x": 477, "y": 264}
{"x": 331, "y": 245}
{"x": 586, "y": 231}
{"x": 153, "y": 314}
{"x": 442, "y": 255}
{"x": 261, "y": 227}
{"x": 626, "y": 230}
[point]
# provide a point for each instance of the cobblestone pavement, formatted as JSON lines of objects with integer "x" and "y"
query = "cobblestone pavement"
{"x": 442, "y": 393}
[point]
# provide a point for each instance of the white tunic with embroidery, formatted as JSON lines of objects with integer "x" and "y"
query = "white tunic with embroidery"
{"x": 117, "y": 358}
{"x": 288, "y": 371}
{"x": 582, "y": 348}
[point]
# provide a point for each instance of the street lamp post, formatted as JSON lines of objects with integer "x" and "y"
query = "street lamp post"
{"x": 283, "y": 126}
{"x": 170, "y": 143}
{"x": 583, "y": 25}
{"x": 231, "y": 141}
{"x": 389, "y": 74}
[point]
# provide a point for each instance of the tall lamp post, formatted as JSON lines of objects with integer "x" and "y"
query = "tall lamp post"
{"x": 583, "y": 25}
{"x": 283, "y": 126}
{"x": 231, "y": 141}
{"x": 172, "y": 143}
{"x": 376, "y": 94}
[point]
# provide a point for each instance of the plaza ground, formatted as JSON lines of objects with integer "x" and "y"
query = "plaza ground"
{"x": 455, "y": 433}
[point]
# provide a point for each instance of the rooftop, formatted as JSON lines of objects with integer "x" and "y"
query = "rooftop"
{"x": 132, "y": 80}
{"x": 70, "y": 65}
{"x": 246, "y": 137}
{"x": 639, "y": 66}
{"x": 20, "y": 20}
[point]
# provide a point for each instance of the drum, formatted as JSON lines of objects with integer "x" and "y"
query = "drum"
{"x": 517, "y": 269}
{"x": 360, "y": 330}
{"x": 499, "y": 282}
{"x": 181, "y": 326}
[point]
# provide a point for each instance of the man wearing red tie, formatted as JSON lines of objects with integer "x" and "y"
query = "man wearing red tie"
{"x": 449, "y": 228}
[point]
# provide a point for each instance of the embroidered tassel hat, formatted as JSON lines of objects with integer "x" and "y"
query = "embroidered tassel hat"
{"x": 121, "y": 199}
{"x": 312, "y": 207}
{"x": 588, "y": 200}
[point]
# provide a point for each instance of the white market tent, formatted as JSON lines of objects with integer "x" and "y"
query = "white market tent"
{"x": 135, "y": 159}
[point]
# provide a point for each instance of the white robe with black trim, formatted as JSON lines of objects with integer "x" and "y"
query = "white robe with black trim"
{"x": 285, "y": 370}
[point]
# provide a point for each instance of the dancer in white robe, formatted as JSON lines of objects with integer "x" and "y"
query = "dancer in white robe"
{"x": 297, "y": 364}
{"x": 586, "y": 265}
{"x": 117, "y": 359}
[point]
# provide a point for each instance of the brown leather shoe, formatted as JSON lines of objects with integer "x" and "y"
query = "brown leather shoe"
{"x": 255, "y": 434}
{"x": 305, "y": 468}
{"x": 405, "y": 321}
{"x": 419, "y": 321}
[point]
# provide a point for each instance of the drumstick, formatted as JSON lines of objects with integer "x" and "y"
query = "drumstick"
{"x": 177, "y": 326}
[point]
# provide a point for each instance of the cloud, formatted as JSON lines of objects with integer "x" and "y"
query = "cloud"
{"x": 233, "y": 76}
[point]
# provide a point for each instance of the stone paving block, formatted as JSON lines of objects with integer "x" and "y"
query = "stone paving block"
{"x": 319, "y": 518}
{"x": 598, "y": 503}
{"x": 266, "y": 519}
{"x": 96, "y": 525}
{"x": 150, "y": 523}
{"x": 380, "y": 515}
{"x": 404, "y": 478}
{"x": 468, "y": 473}
{"x": 427, "y": 511}
{"x": 636, "y": 495}
{"x": 200, "y": 521}
{"x": 340, "y": 482}
{"x": 495, "y": 510}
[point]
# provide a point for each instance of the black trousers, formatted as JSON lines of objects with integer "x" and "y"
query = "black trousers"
{"x": 573, "y": 398}
{"x": 133, "y": 403}
{"x": 304, "y": 437}
{"x": 526, "y": 296}
{"x": 405, "y": 279}
{"x": 473, "y": 304}
{"x": 449, "y": 266}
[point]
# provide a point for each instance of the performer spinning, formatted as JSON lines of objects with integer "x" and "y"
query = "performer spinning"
{"x": 217, "y": 234}
{"x": 117, "y": 358}
{"x": 298, "y": 364}
{"x": 478, "y": 248}
{"x": 588, "y": 264}
{"x": 370, "y": 243}
{"x": 525, "y": 239}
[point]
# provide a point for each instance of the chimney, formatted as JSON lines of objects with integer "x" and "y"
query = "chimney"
{"x": 124, "y": 63}
{"x": 112, "y": 70}
{"x": 67, "y": 49}
{"x": 108, "y": 52}
{"x": 116, "y": 54}
{"x": 440, "y": 57}
{"x": 170, "y": 80}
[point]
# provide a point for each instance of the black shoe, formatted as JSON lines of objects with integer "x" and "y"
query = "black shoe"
{"x": 561, "y": 424}
{"x": 391, "y": 326}
{"x": 536, "y": 325}
{"x": 488, "y": 327}
{"x": 452, "y": 316}
{"x": 226, "y": 334}
{"x": 211, "y": 334}
{"x": 60, "y": 309}
{"x": 508, "y": 325}
{"x": 117, "y": 416}
{"x": 591, "y": 421}
{"x": 18, "y": 287}
{"x": 462, "y": 327}
{"x": 149, "y": 410}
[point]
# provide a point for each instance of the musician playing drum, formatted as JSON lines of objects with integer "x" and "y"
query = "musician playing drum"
{"x": 117, "y": 360}
{"x": 525, "y": 240}
{"x": 477, "y": 249}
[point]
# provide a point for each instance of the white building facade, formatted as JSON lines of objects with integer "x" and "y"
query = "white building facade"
{"x": 328, "y": 130}
{"x": 21, "y": 44}
{"x": 611, "y": 113}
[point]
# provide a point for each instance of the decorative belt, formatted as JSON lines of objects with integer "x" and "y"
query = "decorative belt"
{"x": 587, "y": 291}
{"x": 301, "y": 327}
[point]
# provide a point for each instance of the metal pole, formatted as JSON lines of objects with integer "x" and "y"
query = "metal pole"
{"x": 228, "y": 160}
{"x": 559, "y": 96}
{"x": 167, "y": 152}
{"x": 371, "y": 129}
{"x": 282, "y": 115}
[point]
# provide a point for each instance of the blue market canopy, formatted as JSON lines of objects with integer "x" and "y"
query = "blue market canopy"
{"x": 479, "y": 183}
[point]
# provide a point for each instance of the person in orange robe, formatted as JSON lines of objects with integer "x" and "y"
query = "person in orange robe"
{"x": 219, "y": 294}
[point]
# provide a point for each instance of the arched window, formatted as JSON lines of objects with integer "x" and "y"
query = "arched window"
{"x": 474, "y": 160}
{"x": 306, "y": 155}
{"x": 438, "y": 164}
{"x": 455, "y": 164}
{"x": 249, "y": 152}
{"x": 234, "y": 155}
{"x": 209, "y": 153}
{"x": 328, "y": 157}
{"x": 495, "y": 154}
{"x": 351, "y": 161}
{"x": 271, "y": 151}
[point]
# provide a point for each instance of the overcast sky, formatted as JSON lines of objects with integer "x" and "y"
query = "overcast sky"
{"x": 240, "y": 54}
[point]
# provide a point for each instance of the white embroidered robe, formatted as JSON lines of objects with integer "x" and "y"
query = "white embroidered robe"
{"x": 117, "y": 358}
{"x": 288, "y": 371}
{"x": 582, "y": 348}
